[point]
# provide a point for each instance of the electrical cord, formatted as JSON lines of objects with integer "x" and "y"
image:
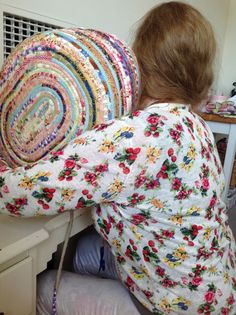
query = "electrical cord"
{"x": 59, "y": 271}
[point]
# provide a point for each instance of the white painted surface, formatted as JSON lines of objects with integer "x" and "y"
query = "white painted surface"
{"x": 116, "y": 16}
{"x": 229, "y": 130}
{"x": 16, "y": 288}
{"x": 108, "y": 15}
{"x": 216, "y": 11}
{"x": 228, "y": 69}
{"x": 26, "y": 246}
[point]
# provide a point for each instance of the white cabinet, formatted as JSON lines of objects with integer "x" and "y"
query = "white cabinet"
{"x": 26, "y": 245}
{"x": 16, "y": 288}
{"x": 225, "y": 126}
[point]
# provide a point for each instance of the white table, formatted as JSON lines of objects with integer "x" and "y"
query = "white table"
{"x": 226, "y": 126}
{"x": 26, "y": 247}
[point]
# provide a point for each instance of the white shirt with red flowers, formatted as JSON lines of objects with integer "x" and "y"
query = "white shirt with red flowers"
{"x": 156, "y": 182}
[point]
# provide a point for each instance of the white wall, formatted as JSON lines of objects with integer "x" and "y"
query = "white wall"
{"x": 120, "y": 17}
{"x": 216, "y": 11}
{"x": 117, "y": 16}
{"x": 228, "y": 68}
{"x": 114, "y": 16}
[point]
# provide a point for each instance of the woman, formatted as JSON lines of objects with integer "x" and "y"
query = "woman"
{"x": 154, "y": 178}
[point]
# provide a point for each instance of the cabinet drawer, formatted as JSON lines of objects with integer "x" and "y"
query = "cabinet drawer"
{"x": 16, "y": 289}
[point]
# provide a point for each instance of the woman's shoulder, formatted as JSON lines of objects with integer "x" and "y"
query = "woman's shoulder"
{"x": 157, "y": 121}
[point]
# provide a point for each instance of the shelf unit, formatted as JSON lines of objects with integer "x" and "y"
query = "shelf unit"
{"x": 225, "y": 126}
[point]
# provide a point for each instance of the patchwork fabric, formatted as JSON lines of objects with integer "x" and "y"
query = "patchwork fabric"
{"x": 57, "y": 84}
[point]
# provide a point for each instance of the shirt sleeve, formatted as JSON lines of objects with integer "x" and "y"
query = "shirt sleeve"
{"x": 87, "y": 172}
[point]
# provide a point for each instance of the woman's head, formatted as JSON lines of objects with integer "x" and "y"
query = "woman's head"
{"x": 175, "y": 48}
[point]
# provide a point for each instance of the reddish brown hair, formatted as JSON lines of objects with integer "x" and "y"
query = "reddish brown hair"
{"x": 175, "y": 47}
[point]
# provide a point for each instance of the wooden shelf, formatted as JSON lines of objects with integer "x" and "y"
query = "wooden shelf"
{"x": 217, "y": 118}
{"x": 226, "y": 126}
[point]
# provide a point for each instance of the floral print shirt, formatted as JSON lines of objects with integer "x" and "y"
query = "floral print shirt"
{"x": 155, "y": 181}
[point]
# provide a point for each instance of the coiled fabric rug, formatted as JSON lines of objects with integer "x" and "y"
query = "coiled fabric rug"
{"x": 57, "y": 84}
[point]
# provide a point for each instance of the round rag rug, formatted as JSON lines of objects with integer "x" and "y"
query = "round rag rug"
{"x": 57, "y": 84}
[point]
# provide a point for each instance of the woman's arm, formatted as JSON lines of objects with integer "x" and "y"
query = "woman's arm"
{"x": 87, "y": 172}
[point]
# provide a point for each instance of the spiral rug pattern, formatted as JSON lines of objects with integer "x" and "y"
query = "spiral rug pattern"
{"x": 57, "y": 84}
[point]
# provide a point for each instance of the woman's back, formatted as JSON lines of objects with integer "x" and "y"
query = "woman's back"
{"x": 168, "y": 229}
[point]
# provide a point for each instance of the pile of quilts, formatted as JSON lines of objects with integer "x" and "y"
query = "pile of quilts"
{"x": 57, "y": 84}
{"x": 221, "y": 105}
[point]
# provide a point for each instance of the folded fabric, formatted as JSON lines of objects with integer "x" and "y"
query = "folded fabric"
{"x": 83, "y": 295}
{"x": 59, "y": 83}
{"x": 223, "y": 108}
{"x": 94, "y": 257}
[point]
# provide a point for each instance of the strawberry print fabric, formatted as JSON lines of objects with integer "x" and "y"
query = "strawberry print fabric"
{"x": 155, "y": 182}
